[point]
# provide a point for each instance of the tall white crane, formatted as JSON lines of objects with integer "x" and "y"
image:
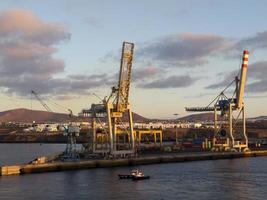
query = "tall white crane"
{"x": 227, "y": 136}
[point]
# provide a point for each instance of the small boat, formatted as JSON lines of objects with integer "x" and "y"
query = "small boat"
{"x": 129, "y": 176}
{"x": 140, "y": 176}
{"x": 135, "y": 175}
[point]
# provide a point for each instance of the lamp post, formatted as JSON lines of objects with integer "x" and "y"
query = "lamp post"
{"x": 176, "y": 134}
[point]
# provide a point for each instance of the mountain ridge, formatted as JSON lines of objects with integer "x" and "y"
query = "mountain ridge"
{"x": 24, "y": 115}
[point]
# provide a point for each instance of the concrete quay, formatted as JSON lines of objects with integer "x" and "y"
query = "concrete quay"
{"x": 141, "y": 160}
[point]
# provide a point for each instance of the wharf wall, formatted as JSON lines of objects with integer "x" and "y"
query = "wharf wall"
{"x": 142, "y": 160}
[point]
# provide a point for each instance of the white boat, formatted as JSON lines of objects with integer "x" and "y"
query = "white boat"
{"x": 135, "y": 175}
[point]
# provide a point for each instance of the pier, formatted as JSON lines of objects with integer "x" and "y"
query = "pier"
{"x": 142, "y": 160}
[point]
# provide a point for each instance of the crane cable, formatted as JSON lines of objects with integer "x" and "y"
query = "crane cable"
{"x": 240, "y": 61}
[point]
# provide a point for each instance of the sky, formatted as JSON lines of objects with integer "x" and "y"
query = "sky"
{"x": 186, "y": 52}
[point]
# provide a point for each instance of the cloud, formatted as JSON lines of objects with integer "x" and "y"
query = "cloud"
{"x": 145, "y": 73}
{"x": 258, "y": 86}
{"x": 256, "y": 71}
{"x": 190, "y": 50}
{"x": 81, "y": 84}
{"x": 169, "y": 82}
{"x": 182, "y": 50}
{"x": 257, "y": 74}
{"x": 226, "y": 79}
{"x": 72, "y": 85}
{"x": 27, "y": 58}
{"x": 253, "y": 42}
{"x": 151, "y": 77}
{"x": 27, "y": 46}
{"x": 18, "y": 24}
{"x": 256, "y": 78}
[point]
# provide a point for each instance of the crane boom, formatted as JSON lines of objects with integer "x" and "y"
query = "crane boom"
{"x": 41, "y": 101}
{"x": 125, "y": 76}
{"x": 199, "y": 109}
{"x": 242, "y": 80}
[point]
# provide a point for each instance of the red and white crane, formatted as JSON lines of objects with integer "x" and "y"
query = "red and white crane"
{"x": 227, "y": 134}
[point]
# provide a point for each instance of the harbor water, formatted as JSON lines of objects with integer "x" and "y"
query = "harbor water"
{"x": 243, "y": 178}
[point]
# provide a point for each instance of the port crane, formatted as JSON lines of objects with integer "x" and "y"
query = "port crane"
{"x": 48, "y": 109}
{"x": 227, "y": 134}
{"x": 71, "y": 131}
{"x": 113, "y": 109}
{"x": 41, "y": 101}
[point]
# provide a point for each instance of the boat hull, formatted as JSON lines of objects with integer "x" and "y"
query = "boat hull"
{"x": 125, "y": 176}
{"x": 136, "y": 178}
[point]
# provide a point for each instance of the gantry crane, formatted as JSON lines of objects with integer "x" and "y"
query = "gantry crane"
{"x": 113, "y": 108}
{"x": 227, "y": 134}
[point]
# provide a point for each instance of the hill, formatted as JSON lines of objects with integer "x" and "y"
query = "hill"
{"x": 210, "y": 117}
{"x": 260, "y": 118}
{"x": 198, "y": 117}
{"x": 27, "y": 116}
